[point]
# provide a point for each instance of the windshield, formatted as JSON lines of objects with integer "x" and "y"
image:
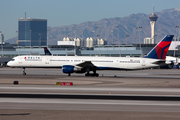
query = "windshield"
{"x": 12, "y": 60}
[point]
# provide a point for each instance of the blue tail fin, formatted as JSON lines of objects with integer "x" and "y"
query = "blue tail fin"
{"x": 161, "y": 49}
{"x": 46, "y": 51}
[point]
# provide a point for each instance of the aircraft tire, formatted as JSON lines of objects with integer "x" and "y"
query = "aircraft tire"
{"x": 97, "y": 75}
{"x": 86, "y": 75}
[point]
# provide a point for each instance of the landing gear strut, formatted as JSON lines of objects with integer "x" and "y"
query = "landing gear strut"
{"x": 92, "y": 75}
{"x": 24, "y": 73}
{"x": 69, "y": 74}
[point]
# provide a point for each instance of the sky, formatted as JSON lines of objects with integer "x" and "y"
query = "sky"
{"x": 68, "y": 12}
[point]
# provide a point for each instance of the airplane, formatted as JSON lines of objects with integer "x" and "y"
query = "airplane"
{"x": 170, "y": 61}
{"x": 174, "y": 60}
{"x": 82, "y": 64}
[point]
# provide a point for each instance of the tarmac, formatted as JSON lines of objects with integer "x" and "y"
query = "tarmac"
{"x": 146, "y": 82}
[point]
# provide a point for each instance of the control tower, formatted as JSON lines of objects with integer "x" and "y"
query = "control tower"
{"x": 153, "y": 19}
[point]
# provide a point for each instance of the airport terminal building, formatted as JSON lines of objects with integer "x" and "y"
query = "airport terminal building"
{"x": 134, "y": 50}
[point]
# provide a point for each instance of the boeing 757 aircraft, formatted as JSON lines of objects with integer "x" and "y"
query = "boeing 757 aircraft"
{"x": 82, "y": 64}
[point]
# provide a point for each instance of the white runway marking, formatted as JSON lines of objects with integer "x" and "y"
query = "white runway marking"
{"x": 95, "y": 102}
{"x": 95, "y": 89}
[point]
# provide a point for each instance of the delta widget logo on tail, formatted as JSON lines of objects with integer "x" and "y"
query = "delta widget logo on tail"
{"x": 161, "y": 49}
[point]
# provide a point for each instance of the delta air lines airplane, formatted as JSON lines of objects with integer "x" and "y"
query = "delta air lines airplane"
{"x": 82, "y": 64}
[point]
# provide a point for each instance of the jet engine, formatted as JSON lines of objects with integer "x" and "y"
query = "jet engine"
{"x": 72, "y": 69}
{"x": 68, "y": 69}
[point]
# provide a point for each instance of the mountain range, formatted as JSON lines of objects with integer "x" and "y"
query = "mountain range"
{"x": 124, "y": 28}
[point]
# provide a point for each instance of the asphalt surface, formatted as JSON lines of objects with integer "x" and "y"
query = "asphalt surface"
{"x": 143, "y": 82}
{"x": 89, "y": 90}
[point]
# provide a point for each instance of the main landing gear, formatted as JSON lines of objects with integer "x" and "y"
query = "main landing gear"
{"x": 94, "y": 74}
{"x": 24, "y": 73}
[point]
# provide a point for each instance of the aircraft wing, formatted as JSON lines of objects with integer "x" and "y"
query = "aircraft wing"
{"x": 159, "y": 62}
{"x": 87, "y": 64}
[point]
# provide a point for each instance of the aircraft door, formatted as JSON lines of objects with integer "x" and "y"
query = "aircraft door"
{"x": 20, "y": 60}
{"x": 143, "y": 63}
{"x": 47, "y": 60}
{"x": 117, "y": 62}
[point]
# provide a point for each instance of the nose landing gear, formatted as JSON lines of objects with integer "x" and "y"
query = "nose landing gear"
{"x": 24, "y": 73}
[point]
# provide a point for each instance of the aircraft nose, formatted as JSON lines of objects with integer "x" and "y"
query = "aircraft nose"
{"x": 9, "y": 64}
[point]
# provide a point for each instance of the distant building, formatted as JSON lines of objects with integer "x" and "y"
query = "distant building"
{"x": 1, "y": 38}
{"x": 175, "y": 44}
{"x": 148, "y": 40}
{"x": 101, "y": 41}
{"x": 32, "y": 32}
{"x": 90, "y": 42}
{"x": 79, "y": 42}
{"x": 68, "y": 39}
{"x": 66, "y": 43}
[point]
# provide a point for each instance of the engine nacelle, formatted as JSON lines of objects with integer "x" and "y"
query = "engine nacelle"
{"x": 72, "y": 69}
{"x": 68, "y": 69}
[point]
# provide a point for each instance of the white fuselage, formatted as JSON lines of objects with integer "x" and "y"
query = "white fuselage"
{"x": 102, "y": 63}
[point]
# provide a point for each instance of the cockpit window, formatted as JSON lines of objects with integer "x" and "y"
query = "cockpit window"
{"x": 12, "y": 60}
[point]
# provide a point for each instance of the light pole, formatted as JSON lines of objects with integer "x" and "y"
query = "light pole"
{"x": 83, "y": 40}
{"x": 175, "y": 39}
{"x": 97, "y": 28}
{"x": 75, "y": 43}
{"x": 2, "y": 44}
{"x": 94, "y": 34}
{"x": 98, "y": 44}
{"x": 75, "y": 32}
{"x": 157, "y": 38}
{"x": 112, "y": 37}
{"x": 40, "y": 39}
{"x": 17, "y": 43}
{"x": 154, "y": 37}
{"x": 178, "y": 34}
{"x": 47, "y": 38}
{"x": 126, "y": 37}
{"x": 177, "y": 30}
{"x": 30, "y": 41}
{"x": 118, "y": 40}
{"x": 97, "y": 34}
{"x": 138, "y": 28}
{"x": 118, "y": 33}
